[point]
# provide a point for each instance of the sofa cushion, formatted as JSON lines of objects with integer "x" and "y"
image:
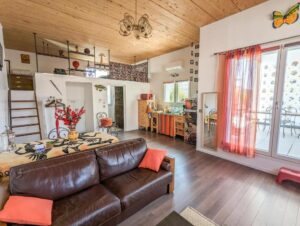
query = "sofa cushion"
{"x": 138, "y": 186}
{"x": 121, "y": 157}
{"x": 55, "y": 178}
{"x": 94, "y": 206}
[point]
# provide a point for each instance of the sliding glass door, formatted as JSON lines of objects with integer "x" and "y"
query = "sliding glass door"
{"x": 266, "y": 100}
{"x": 278, "y": 114}
{"x": 288, "y": 113}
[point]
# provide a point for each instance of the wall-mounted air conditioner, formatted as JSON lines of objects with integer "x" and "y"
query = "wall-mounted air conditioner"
{"x": 174, "y": 67}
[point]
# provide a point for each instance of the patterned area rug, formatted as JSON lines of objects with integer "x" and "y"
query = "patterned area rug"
{"x": 196, "y": 218}
{"x": 26, "y": 153}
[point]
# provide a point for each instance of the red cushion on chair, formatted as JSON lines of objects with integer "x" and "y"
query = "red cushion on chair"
{"x": 106, "y": 122}
{"x": 27, "y": 210}
{"x": 153, "y": 159}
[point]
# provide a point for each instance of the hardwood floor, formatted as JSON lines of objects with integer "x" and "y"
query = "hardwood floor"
{"x": 226, "y": 192}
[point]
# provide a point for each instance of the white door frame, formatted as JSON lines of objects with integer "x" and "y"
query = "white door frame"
{"x": 279, "y": 97}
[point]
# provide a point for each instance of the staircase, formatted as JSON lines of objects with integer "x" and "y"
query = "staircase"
{"x": 24, "y": 115}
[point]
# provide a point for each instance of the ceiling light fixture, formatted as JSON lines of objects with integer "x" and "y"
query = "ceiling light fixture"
{"x": 140, "y": 28}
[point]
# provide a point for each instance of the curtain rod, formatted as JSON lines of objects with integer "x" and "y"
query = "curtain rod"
{"x": 264, "y": 43}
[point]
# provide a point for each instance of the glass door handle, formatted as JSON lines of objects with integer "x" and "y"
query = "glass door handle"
{"x": 276, "y": 105}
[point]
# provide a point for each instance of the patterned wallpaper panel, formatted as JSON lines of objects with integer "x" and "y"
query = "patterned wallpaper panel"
{"x": 138, "y": 73}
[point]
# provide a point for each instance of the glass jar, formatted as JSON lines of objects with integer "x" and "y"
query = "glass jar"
{"x": 3, "y": 142}
{"x": 11, "y": 141}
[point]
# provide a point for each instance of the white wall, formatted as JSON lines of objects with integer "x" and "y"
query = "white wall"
{"x": 158, "y": 75}
{"x": 132, "y": 90}
{"x": 3, "y": 90}
{"x": 250, "y": 27}
{"x": 78, "y": 95}
{"x": 46, "y": 64}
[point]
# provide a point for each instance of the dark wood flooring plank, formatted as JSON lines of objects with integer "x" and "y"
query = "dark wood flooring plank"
{"x": 292, "y": 208}
{"x": 226, "y": 192}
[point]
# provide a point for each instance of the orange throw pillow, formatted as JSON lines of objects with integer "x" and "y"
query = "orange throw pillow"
{"x": 153, "y": 159}
{"x": 27, "y": 210}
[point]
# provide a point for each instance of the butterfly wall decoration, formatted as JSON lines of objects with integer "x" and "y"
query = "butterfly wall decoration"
{"x": 289, "y": 18}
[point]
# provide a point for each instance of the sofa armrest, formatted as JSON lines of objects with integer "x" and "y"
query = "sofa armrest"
{"x": 4, "y": 194}
{"x": 171, "y": 165}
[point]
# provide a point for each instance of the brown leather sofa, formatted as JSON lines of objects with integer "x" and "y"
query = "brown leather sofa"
{"x": 98, "y": 187}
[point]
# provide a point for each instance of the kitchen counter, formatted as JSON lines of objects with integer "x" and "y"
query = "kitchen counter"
{"x": 170, "y": 124}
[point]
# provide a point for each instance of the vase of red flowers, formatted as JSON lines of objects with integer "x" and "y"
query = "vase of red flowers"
{"x": 70, "y": 118}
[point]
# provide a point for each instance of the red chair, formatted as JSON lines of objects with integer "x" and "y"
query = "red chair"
{"x": 104, "y": 122}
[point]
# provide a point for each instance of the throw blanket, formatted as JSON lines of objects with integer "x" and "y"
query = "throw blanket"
{"x": 26, "y": 153}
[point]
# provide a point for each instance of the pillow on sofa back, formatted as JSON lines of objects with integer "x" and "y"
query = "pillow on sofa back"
{"x": 55, "y": 178}
{"x": 120, "y": 157}
{"x": 153, "y": 159}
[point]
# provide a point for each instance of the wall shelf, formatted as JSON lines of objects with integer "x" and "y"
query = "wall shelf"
{"x": 102, "y": 66}
{"x": 72, "y": 55}
{"x": 82, "y": 70}
{"x": 81, "y": 53}
{"x": 52, "y": 55}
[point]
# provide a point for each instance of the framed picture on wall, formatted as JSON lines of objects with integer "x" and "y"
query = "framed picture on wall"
{"x": 191, "y": 71}
{"x": 25, "y": 58}
{"x": 196, "y": 54}
{"x": 195, "y": 79}
{"x": 191, "y": 61}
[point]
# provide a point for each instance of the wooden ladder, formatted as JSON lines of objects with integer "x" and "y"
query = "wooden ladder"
{"x": 20, "y": 109}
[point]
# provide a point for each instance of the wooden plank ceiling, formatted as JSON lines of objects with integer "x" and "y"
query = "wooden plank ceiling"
{"x": 96, "y": 22}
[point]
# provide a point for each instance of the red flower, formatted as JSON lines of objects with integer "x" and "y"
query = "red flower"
{"x": 68, "y": 116}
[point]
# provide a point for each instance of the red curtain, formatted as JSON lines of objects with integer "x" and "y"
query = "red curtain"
{"x": 166, "y": 125}
{"x": 238, "y": 100}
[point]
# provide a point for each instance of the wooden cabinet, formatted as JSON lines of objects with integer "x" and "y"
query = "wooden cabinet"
{"x": 179, "y": 125}
{"x": 154, "y": 122}
{"x": 20, "y": 82}
{"x": 144, "y": 120}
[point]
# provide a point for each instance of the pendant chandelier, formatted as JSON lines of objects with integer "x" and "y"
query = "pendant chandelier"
{"x": 140, "y": 28}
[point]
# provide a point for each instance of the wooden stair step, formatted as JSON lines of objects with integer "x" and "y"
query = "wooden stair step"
{"x": 27, "y": 134}
{"x": 29, "y": 116}
{"x": 20, "y": 109}
{"x": 22, "y": 101}
{"x": 25, "y": 125}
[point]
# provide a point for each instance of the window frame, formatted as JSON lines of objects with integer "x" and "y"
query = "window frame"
{"x": 271, "y": 141}
{"x": 278, "y": 95}
{"x": 164, "y": 90}
{"x": 175, "y": 84}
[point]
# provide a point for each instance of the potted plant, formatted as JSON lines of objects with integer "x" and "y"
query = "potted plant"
{"x": 70, "y": 118}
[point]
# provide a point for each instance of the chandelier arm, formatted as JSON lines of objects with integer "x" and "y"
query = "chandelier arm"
{"x": 135, "y": 11}
{"x": 139, "y": 27}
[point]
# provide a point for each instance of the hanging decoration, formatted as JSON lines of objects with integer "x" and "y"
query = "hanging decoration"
{"x": 140, "y": 27}
{"x": 100, "y": 88}
{"x": 289, "y": 18}
{"x": 75, "y": 64}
